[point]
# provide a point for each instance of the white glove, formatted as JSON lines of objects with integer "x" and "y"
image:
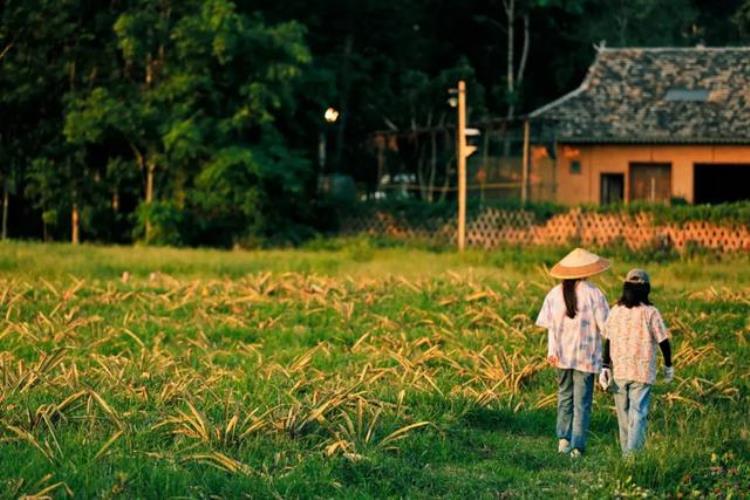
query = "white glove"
{"x": 668, "y": 374}
{"x": 605, "y": 378}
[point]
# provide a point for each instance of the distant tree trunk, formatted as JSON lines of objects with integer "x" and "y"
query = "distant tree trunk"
{"x": 485, "y": 161}
{"x": 74, "y": 224}
{"x": 448, "y": 162}
{"x": 150, "y": 172}
{"x": 510, "y": 14}
{"x": 6, "y": 202}
{"x": 433, "y": 165}
{"x": 423, "y": 177}
{"x": 514, "y": 80}
{"x": 381, "y": 145}
{"x": 116, "y": 200}
{"x": 524, "y": 50}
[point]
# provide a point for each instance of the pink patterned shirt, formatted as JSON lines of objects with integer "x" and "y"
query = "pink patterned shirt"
{"x": 634, "y": 334}
{"x": 575, "y": 341}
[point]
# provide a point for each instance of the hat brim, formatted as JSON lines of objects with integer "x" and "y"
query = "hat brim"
{"x": 571, "y": 273}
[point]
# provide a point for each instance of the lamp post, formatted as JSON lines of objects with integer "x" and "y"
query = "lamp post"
{"x": 330, "y": 116}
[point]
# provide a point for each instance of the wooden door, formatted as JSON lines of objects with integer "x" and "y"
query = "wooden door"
{"x": 651, "y": 182}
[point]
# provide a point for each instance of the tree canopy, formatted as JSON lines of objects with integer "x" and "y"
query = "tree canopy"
{"x": 201, "y": 121}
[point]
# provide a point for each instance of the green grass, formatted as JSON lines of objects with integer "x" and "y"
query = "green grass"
{"x": 321, "y": 354}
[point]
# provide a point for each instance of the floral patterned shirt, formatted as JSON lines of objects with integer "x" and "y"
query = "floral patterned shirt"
{"x": 633, "y": 335}
{"x": 575, "y": 341}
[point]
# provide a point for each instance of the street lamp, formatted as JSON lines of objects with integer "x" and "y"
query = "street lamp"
{"x": 331, "y": 115}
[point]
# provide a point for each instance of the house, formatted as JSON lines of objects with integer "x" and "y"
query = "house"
{"x": 653, "y": 124}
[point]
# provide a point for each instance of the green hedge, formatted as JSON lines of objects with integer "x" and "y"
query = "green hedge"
{"x": 420, "y": 211}
{"x": 735, "y": 214}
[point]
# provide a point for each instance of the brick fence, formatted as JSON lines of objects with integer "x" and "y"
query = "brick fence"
{"x": 492, "y": 227}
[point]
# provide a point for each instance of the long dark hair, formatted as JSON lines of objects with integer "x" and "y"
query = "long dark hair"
{"x": 634, "y": 294}
{"x": 569, "y": 294}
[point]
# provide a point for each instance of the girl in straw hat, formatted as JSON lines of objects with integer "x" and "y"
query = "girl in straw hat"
{"x": 574, "y": 313}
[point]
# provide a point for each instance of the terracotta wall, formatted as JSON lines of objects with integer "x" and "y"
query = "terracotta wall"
{"x": 573, "y": 189}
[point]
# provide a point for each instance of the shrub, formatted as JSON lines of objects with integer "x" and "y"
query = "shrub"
{"x": 168, "y": 223}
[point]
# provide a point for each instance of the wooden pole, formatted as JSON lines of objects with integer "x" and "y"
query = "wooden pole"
{"x": 525, "y": 164}
{"x": 461, "y": 154}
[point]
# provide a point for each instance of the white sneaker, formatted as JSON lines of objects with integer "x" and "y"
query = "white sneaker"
{"x": 563, "y": 446}
{"x": 576, "y": 453}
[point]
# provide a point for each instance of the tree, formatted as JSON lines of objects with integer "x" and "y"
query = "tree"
{"x": 201, "y": 84}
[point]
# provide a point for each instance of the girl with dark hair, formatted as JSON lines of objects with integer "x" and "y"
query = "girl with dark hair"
{"x": 574, "y": 313}
{"x": 632, "y": 332}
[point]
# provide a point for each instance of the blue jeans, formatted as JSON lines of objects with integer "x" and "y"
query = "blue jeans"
{"x": 575, "y": 390}
{"x": 632, "y": 400}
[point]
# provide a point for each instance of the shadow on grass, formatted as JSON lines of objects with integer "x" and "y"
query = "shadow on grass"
{"x": 531, "y": 423}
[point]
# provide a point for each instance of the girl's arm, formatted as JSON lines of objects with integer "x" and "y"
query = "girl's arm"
{"x": 606, "y": 359}
{"x": 666, "y": 351}
{"x": 661, "y": 336}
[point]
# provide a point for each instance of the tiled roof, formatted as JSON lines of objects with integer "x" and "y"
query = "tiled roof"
{"x": 664, "y": 95}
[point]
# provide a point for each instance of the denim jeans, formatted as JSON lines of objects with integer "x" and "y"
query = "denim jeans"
{"x": 575, "y": 390}
{"x": 632, "y": 400}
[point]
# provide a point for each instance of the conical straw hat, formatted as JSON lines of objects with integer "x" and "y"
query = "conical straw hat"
{"x": 578, "y": 264}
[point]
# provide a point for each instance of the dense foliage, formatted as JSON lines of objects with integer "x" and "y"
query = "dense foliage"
{"x": 200, "y": 122}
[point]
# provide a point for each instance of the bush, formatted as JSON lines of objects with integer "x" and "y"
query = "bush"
{"x": 735, "y": 214}
{"x": 168, "y": 224}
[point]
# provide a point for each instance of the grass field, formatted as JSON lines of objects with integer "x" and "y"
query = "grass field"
{"x": 349, "y": 371}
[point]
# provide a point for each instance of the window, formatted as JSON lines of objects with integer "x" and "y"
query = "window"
{"x": 575, "y": 167}
{"x": 696, "y": 95}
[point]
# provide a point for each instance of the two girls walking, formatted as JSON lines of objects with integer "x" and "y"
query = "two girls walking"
{"x": 577, "y": 316}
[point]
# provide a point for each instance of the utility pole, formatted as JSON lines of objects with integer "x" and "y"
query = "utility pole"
{"x": 525, "y": 164}
{"x": 463, "y": 151}
{"x": 461, "y": 155}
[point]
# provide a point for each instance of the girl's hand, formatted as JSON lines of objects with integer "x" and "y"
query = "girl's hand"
{"x": 668, "y": 374}
{"x": 605, "y": 378}
{"x": 552, "y": 360}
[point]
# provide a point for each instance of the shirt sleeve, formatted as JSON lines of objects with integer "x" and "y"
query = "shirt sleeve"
{"x": 657, "y": 328}
{"x": 544, "y": 319}
{"x": 601, "y": 311}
